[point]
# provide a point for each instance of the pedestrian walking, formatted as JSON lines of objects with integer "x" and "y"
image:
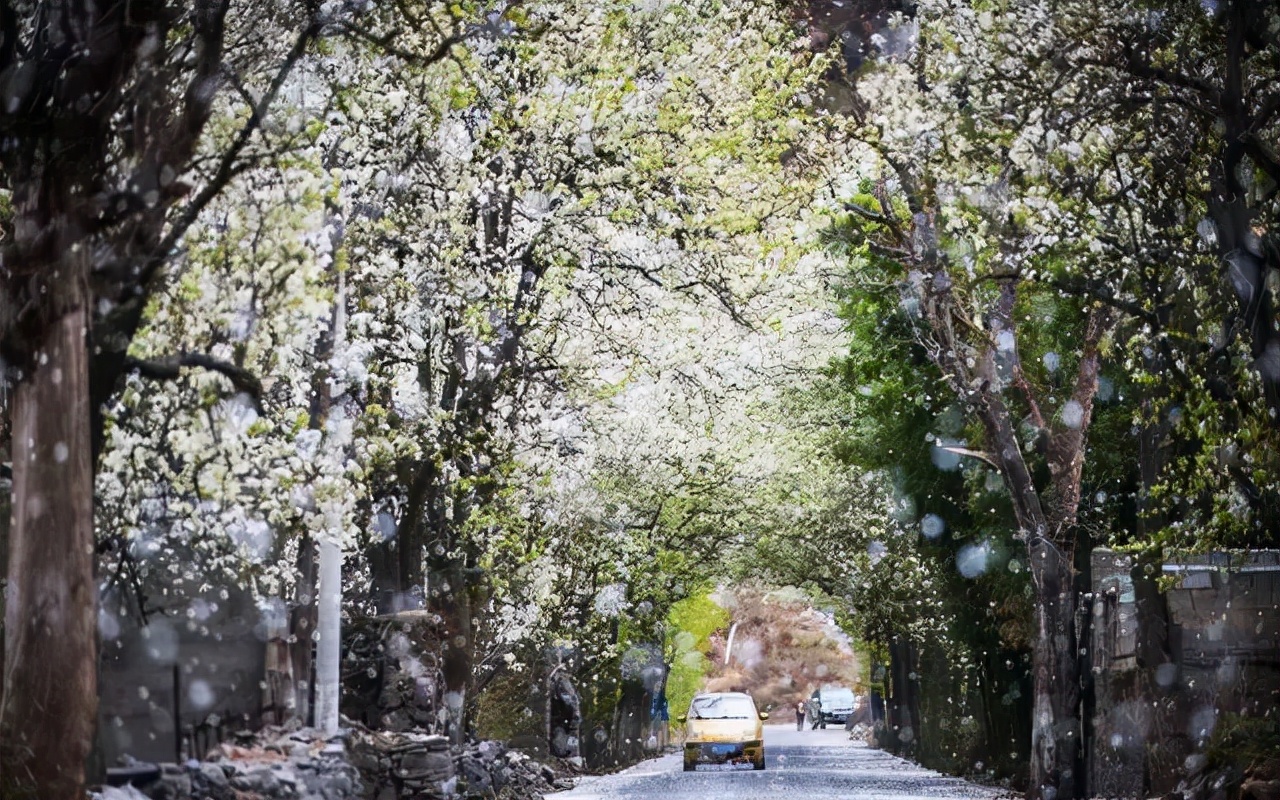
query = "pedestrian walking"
{"x": 800, "y": 708}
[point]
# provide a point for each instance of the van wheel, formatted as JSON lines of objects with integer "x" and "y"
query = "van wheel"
{"x": 690, "y": 766}
{"x": 759, "y": 763}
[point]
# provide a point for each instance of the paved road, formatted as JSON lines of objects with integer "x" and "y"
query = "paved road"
{"x": 816, "y": 762}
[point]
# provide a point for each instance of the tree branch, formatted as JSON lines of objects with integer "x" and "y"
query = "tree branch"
{"x": 890, "y": 253}
{"x": 981, "y": 455}
{"x": 1095, "y": 292}
{"x": 1004, "y": 314}
{"x": 170, "y": 368}
{"x": 227, "y": 166}
{"x": 868, "y": 214}
{"x": 1140, "y": 68}
{"x": 385, "y": 44}
{"x": 1067, "y": 445}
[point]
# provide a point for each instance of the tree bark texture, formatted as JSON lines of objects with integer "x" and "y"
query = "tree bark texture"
{"x": 302, "y": 624}
{"x": 50, "y": 682}
{"x": 1055, "y": 728}
{"x": 84, "y": 74}
{"x": 900, "y": 731}
{"x": 629, "y": 724}
{"x": 453, "y": 604}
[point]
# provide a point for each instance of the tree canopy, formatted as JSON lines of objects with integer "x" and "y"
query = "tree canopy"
{"x": 549, "y": 317}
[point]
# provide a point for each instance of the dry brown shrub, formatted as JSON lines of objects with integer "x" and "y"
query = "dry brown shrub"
{"x": 783, "y": 650}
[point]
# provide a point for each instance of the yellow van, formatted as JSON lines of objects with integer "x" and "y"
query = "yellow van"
{"x": 723, "y": 728}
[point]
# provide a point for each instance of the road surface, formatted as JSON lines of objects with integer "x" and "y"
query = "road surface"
{"x": 800, "y": 765}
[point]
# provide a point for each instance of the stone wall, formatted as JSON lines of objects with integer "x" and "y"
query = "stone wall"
{"x": 391, "y": 675}
{"x": 277, "y": 763}
{"x": 409, "y": 766}
{"x": 183, "y": 704}
{"x": 414, "y": 766}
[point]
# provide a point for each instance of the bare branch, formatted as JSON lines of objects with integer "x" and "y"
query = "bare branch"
{"x": 1067, "y": 445}
{"x": 868, "y": 214}
{"x": 385, "y": 43}
{"x": 1140, "y": 68}
{"x": 964, "y": 451}
{"x": 892, "y": 253}
{"x": 1004, "y": 315}
{"x": 1101, "y": 293}
{"x": 170, "y": 368}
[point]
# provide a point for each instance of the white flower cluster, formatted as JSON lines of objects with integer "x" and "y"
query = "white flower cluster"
{"x": 515, "y": 271}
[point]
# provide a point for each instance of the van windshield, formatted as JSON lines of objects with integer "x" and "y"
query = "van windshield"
{"x": 836, "y": 697}
{"x": 719, "y": 706}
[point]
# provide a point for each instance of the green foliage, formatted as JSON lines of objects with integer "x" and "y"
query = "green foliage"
{"x": 690, "y": 624}
{"x": 1246, "y": 746}
{"x": 508, "y": 708}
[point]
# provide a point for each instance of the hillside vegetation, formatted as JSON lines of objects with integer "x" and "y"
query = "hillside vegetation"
{"x": 783, "y": 648}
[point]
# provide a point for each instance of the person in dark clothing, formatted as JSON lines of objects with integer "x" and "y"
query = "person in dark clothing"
{"x": 800, "y": 709}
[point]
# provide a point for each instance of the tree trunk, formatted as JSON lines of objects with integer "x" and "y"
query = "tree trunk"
{"x": 549, "y": 683}
{"x": 398, "y": 581}
{"x": 898, "y": 722}
{"x": 453, "y": 604}
{"x": 1055, "y": 729}
{"x": 628, "y": 733}
{"x": 302, "y": 624}
{"x": 423, "y": 512}
{"x": 383, "y": 575}
{"x": 50, "y": 683}
{"x": 329, "y": 626}
{"x": 1247, "y": 263}
{"x": 6, "y": 520}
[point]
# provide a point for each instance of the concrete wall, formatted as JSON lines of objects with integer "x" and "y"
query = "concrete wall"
{"x": 205, "y": 655}
{"x": 1222, "y": 656}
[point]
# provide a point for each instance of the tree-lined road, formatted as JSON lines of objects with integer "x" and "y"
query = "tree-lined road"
{"x": 810, "y": 763}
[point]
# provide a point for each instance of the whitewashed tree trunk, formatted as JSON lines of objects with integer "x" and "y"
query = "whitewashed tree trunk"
{"x": 335, "y": 507}
{"x": 329, "y": 648}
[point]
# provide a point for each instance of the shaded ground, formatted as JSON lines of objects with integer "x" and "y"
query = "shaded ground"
{"x": 817, "y": 762}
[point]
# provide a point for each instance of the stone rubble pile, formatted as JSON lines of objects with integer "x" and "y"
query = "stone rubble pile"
{"x": 489, "y": 769}
{"x": 359, "y": 764}
{"x": 415, "y": 766}
{"x": 280, "y": 764}
{"x": 1222, "y": 783}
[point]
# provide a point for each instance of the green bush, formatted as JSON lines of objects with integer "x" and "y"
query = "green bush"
{"x": 689, "y": 628}
{"x": 507, "y": 709}
{"x": 1248, "y": 746}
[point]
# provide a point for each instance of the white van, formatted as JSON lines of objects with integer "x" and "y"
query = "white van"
{"x": 834, "y": 704}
